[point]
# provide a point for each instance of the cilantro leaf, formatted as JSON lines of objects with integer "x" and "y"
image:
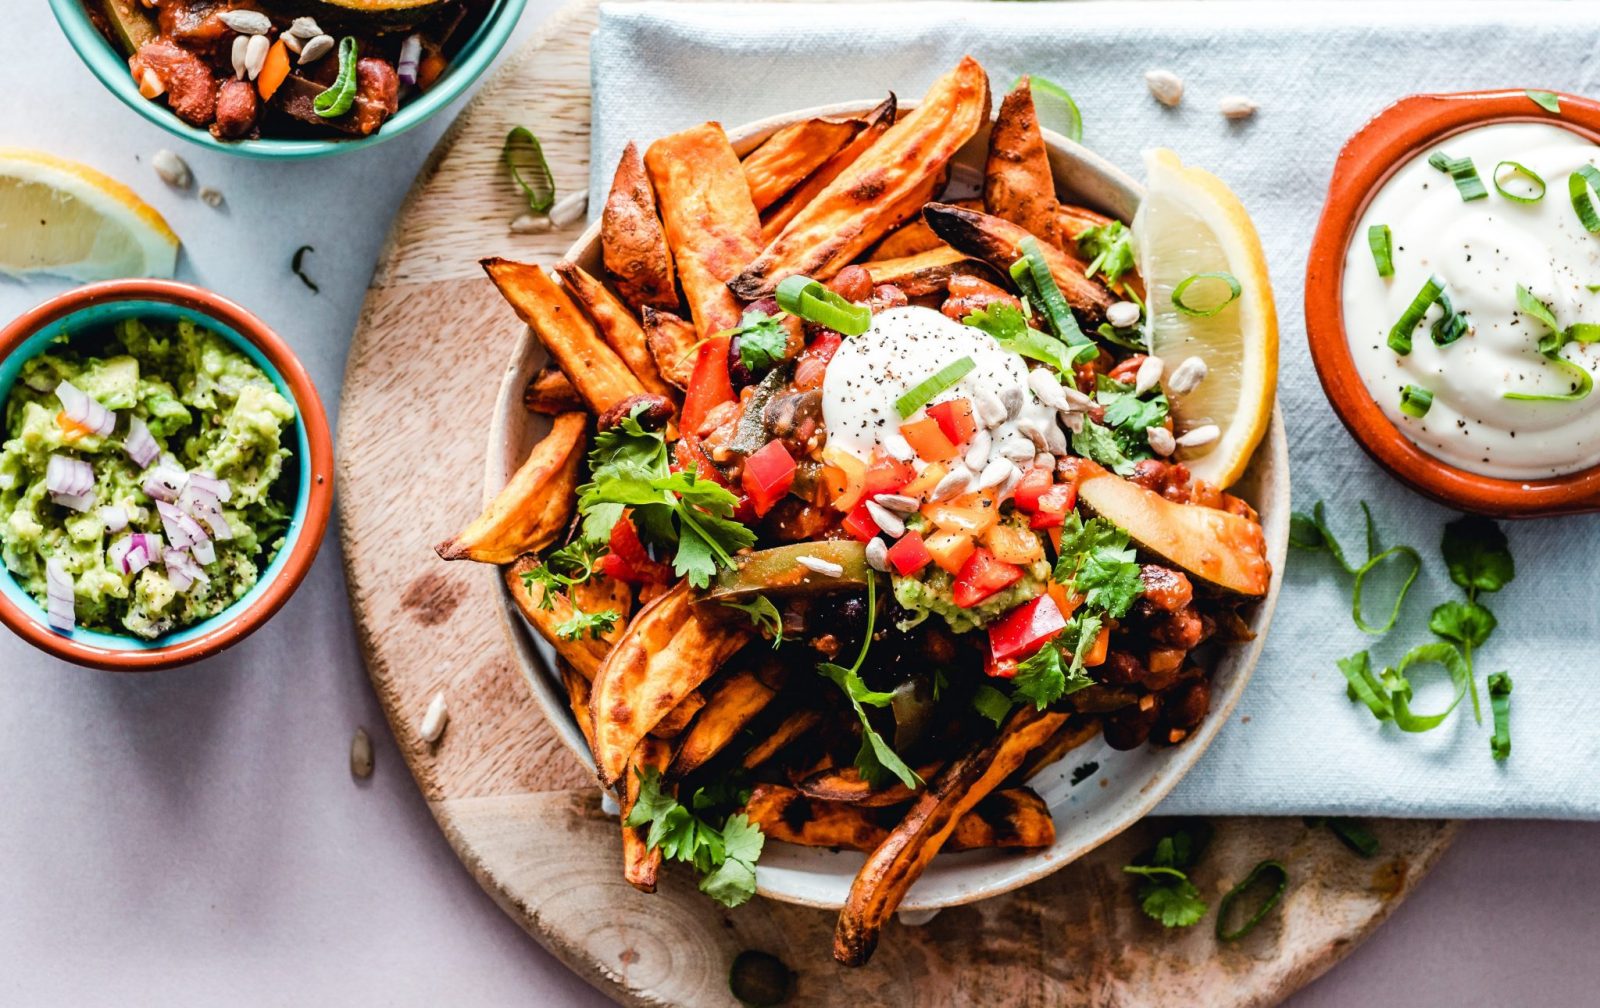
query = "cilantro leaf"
{"x": 876, "y": 759}
{"x": 726, "y": 857}
{"x": 1103, "y": 446}
{"x": 1175, "y": 905}
{"x": 1109, "y": 249}
{"x": 594, "y": 625}
{"x": 1057, "y": 669}
{"x": 1466, "y": 623}
{"x": 570, "y": 565}
{"x": 1167, "y": 895}
{"x": 1010, "y": 329}
{"x": 1096, "y": 560}
{"x": 762, "y": 341}
{"x": 1130, "y": 417}
{"x": 991, "y": 703}
{"x": 1479, "y": 558}
{"x": 764, "y": 616}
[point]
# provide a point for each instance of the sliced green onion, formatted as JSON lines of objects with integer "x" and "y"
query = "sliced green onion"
{"x": 1054, "y": 304}
{"x": 1500, "y": 702}
{"x": 804, "y": 297}
{"x": 1550, "y": 346}
{"x": 1381, "y": 241}
{"x": 1353, "y": 835}
{"x": 1546, "y": 100}
{"x": 1276, "y": 877}
{"x": 1530, "y": 305}
{"x": 1442, "y": 654}
{"x": 535, "y": 179}
{"x": 1054, "y": 108}
{"x": 1415, "y": 401}
{"x": 1400, "y": 335}
{"x": 1465, "y": 174}
{"x": 1578, "y": 185}
{"x": 1525, "y": 172}
{"x": 1583, "y": 332}
{"x": 336, "y": 101}
{"x": 1450, "y": 326}
{"x": 1583, "y": 384}
{"x": 1234, "y": 290}
{"x": 923, "y": 392}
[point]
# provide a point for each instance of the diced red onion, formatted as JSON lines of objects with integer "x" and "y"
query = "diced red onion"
{"x": 70, "y": 476}
{"x": 218, "y": 488}
{"x": 62, "y": 605}
{"x": 165, "y": 482}
{"x": 410, "y": 60}
{"x": 77, "y": 502}
{"x": 140, "y": 444}
{"x": 81, "y": 409}
{"x": 203, "y": 507}
{"x": 182, "y": 571}
{"x": 133, "y": 553}
{"x": 205, "y": 552}
{"x": 115, "y": 516}
{"x": 182, "y": 530}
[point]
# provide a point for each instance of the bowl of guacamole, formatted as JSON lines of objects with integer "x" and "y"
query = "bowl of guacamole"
{"x": 165, "y": 474}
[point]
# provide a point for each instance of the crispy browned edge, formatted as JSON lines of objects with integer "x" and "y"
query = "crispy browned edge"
{"x": 680, "y": 717}
{"x": 845, "y": 784}
{"x": 532, "y": 509}
{"x": 550, "y": 392}
{"x": 621, "y": 331}
{"x": 632, "y": 242}
{"x": 672, "y": 343}
{"x": 1017, "y": 184}
{"x": 875, "y": 124}
{"x": 1016, "y": 817}
{"x": 913, "y": 237}
{"x": 996, "y": 242}
{"x": 597, "y": 594}
{"x": 1078, "y": 730}
{"x": 874, "y": 193}
{"x": 739, "y": 697}
{"x": 794, "y": 725}
{"x": 785, "y": 159}
{"x": 927, "y": 272}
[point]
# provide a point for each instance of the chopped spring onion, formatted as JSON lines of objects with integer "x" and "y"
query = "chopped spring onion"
{"x": 1578, "y": 185}
{"x": 1234, "y": 290}
{"x": 1415, "y": 401}
{"x": 1583, "y": 384}
{"x": 1054, "y": 108}
{"x": 1546, "y": 100}
{"x": 1400, "y": 335}
{"x": 1524, "y": 171}
{"x": 1465, "y": 174}
{"x": 1033, "y": 277}
{"x": 808, "y": 299}
{"x": 1500, "y": 702}
{"x": 1550, "y": 347}
{"x": 1442, "y": 654}
{"x": 341, "y": 94}
{"x": 924, "y": 391}
{"x": 1450, "y": 326}
{"x": 1276, "y": 876}
{"x": 1381, "y": 241}
{"x": 534, "y": 177}
{"x": 1530, "y": 305}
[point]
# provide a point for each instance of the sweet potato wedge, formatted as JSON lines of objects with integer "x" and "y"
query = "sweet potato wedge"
{"x": 913, "y": 237}
{"x": 669, "y": 649}
{"x": 927, "y": 272}
{"x": 578, "y": 699}
{"x": 672, "y": 345}
{"x": 846, "y": 785}
{"x": 1012, "y": 818}
{"x": 640, "y": 863}
{"x": 792, "y": 727}
{"x": 786, "y": 157}
{"x": 534, "y": 507}
{"x": 621, "y": 331}
{"x": 598, "y": 594}
{"x": 903, "y": 856}
{"x": 861, "y": 205}
{"x": 680, "y": 717}
{"x": 996, "y": 242}
{"x": 1070, "y": 736}
{"x": 551, "y": 392}
{"x": 1017, "y": 184}
{"x": 599, "y": 375}
{"x": 632, "y": 241}
{"x": 1074, "y": 220}
{"x": 874, "y": 125}
{"x": 736, "y": 702}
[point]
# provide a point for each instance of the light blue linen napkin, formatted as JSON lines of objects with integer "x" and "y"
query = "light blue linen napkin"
{"x": 1295, "y": 744}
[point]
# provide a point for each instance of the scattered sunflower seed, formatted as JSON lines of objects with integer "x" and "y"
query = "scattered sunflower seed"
{"x": 1148, "y": 375}
{"x": 1016, "y": 448}
{"x": 569, "y": 209}
{"x": 1055, "y": 442}
{"x": 1161, "y": 440}
{"x": 1012, "y": 398}
{"x": 817, "y": 565}
{"x": 361, "y": 754}
{"x": 174, "y": 170}
{"x": 977, "y": 454}
{"x": 315, "y": 49}
{"x": 997, "y": 472}
{"x": 1123, "y": 315}
{"x": 954, "y": 484}
{"x": 293, "y": 43}
{"x": 1046, "y": 387}
{"x": 1004, "y": 491}
{"x": 211, "y": 196}
{"x": 303, "y": 28}
{"x": 1073, "y": 422}
{"x": 530, "y": 223}
{"x": 878, "y": 555}
{"x": 1202, "y": 435}
{"x": 246, "y": 22}
{"x": 890, "y": 523}
{"x": 898, "y": 503}
{"x": 1075, "y": 399}
{"x": 1237, "y": 107}
{"x": 434, "y": 720}
{"x": 1033, "y": 430}
{"x": 241, "y": 47}
{"x": 1165, "y": 86}
{"x": 898, "y": 447}
{"x": 1187, "y": 376}
{"x": 991, "y": 411}
{"x": 255, "y": 55}
{"x": 1044, "y": 460}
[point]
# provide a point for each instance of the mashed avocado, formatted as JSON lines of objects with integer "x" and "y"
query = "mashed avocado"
{"x": 210, "y": 409}
{"x": 931, "y": 594}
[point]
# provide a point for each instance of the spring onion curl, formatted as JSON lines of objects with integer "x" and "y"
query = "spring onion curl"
{"x": 1276, "y": 876}
{"x": 1381, "y": 241}
{"x": 341, "y": 94}
{"x": 533, "y": 175}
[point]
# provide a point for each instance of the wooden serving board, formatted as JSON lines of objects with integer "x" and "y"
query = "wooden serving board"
{"x": 430, "y": 348}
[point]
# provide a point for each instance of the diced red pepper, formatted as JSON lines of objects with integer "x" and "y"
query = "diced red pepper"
{"x": 768, "y": 475}
{"x": 744, "y": 510}
{"x": 886, "y": 475}
{"x": 981, "y": 577}
{"x": 625, "y": 542}
{"x": 688, "y": 452}
{"x": 927, "y": 439}
{"x": 1053, "y": 505}
{"x": 1034, "y": 483}
{"x": 709, "y": 384}
{"x": 1025, "y": 629}
{"x": 955, "y": 419}
{"x": 859, "y": 524}
{"x": 909, "y": 554}
{"x": 1000, "y": 668}
{"x": 627, "y": 559}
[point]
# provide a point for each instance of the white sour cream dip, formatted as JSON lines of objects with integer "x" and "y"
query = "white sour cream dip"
{"x": 1482, "y": 250}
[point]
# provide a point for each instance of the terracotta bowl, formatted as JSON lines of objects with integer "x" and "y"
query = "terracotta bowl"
{"x": 1367, "y": 161}
{"x": 1126, "y": 786}
{"x": 102, "y": 303}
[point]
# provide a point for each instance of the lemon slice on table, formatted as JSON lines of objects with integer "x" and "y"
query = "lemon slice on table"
{"x": 66, "y": 219}
{"x": 1194, "y": 239}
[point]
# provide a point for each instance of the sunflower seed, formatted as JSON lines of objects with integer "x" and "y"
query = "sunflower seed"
{"x": 304, "y": 28}
{"x": 1123, "y": 315}
{"x": 1044, "y": 460}
{"x": 1076, "y": 401}
{"x": 898, "y": 447}
{"x": 246, "y": 22}
{"x": 315, "y": 49}
{"x": 1012, "y": 398}
{"x": 1148, "y": 375}
{"x": 569, "y": 209}
{"x": 954, "y": 484}
{"x": 1055, "y": 441}
{"x": 977, "y": 455}
{"x": 292, "y": 42}
{"x": 991, "y": 411}
{"x": 1237, "y": 107}
{"x": 1165, "y": 86}
{"x": 996, "y": 473}
{"x": 255, "y": 55}
{"x": 1046, "y": 387}
{"x": 1016, "y": 447}
{"x": 174, "y": 170}
{"x": 361, "y": 754}
{"x": 877, "y": 555}
{"x": 1187, "y": 376}
{"x": 1031, "y": 429}
{"x": 1161, "y": 440}
{"x": 1203, "y": 435}
{"x": 434, "y": 720}
{"x": 241, "y": 46}
{"x": 530, "y": 223}
{"x": 898, "y": 503}
{"x": 1009, "y": 486}
{"x": 892, "y": 524}
{"x": 211, "y": 196}
{"x": 817, "y": 565}
{"x": 1073, "y": 422}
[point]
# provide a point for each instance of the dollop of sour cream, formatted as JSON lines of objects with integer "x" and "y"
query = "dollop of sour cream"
{"x": 1482, "y": 250}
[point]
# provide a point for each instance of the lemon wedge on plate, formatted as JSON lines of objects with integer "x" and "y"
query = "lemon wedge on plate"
{"x": 1194, "y": 239}
{"x": 66, "y": 219}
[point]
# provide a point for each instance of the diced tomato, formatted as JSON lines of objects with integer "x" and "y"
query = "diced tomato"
{"x": 709, "y": 384}
{"x": 860, "y": 524}
{"x": 981, "y": 577}
{"x": 625, "y": 542}
{"x": 812, "y": 364}
{"x": 928, "y": 440}
{"x": 768, "y": 475}
{"x": 955, "y": 419}
{"x": 885, "y": 475}
{"x": 950, "y": 550}
{"x": 909, "y": 554}
{"x": 744, "y": 510}
{"x": 1034, "y": 482}
{"x": 1053, "y": 505}
{"x": 1025, "y": 629}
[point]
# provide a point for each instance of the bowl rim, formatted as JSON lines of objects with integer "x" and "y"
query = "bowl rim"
{"x": 1025, "y": 867}
{"x": 111, "y": 69}
{"x": 306, "y": 529}
{"x": 1365, "y": 163}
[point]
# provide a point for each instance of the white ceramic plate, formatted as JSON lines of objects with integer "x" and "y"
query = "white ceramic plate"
{"x": 1126, "y": 786}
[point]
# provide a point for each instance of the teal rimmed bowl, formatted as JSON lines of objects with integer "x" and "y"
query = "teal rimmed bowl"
{"x": 103, "y": 303}
{"x": 111, "y": 67}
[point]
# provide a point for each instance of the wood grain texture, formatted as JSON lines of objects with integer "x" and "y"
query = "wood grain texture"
{"x": 430, "y": 348}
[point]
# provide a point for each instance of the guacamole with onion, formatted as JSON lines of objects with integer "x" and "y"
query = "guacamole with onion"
{"x": 211, "y": 411}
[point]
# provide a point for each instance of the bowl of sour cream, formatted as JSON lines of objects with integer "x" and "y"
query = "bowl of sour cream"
{"x": 1453, "y": 298}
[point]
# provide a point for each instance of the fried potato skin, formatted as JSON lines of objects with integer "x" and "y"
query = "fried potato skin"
{"x": 672, "y": 343}
{"x": 927, "y": 272}
{"x": 1017, "y": 184}
{"x": 996, "y": 241}
{"x": 599, "y": 375}
{"x": 1070, "y": 736}
{"x": 785, "y": 159}
{"x": 597, "y": 594}
{"x": 534, "y": 507}
{"x": 874, "y": 125}
{"x": 550, "y": 392}
{"x": 736, "y": 702}
{"x": 621, "y": 331}
{"x": 633, "y": 244}
{"x": 1015, "y": 818}
{"x": 869, "y": 197}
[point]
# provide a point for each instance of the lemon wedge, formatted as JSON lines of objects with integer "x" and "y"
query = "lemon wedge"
{"x": 66, "y": 219}
{"x": 1191, "y": 224}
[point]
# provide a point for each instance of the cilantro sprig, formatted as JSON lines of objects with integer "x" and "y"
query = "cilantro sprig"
{"x": 876, "y": 759}
{"x": 1129, "y": 416}
{"x": 1166, "y": 894}
{"x": 593, "y": 625}
{"x": 1010, "y": 329}
{"x": 763, "y": 615}
{"x": 725, "y": 857}
{"x": 1057, "y": 669}
{"x": 1109, "y": 249}
{"x": 762, "y": 340}
{"x": 562, "y": 570}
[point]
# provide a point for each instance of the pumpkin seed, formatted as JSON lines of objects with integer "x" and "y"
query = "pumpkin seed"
{"x": 361, "y": 754}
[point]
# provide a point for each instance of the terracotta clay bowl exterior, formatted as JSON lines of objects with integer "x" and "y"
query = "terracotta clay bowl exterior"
{"x": 100, "y": 303}
{"x": 1365, "y": 163}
